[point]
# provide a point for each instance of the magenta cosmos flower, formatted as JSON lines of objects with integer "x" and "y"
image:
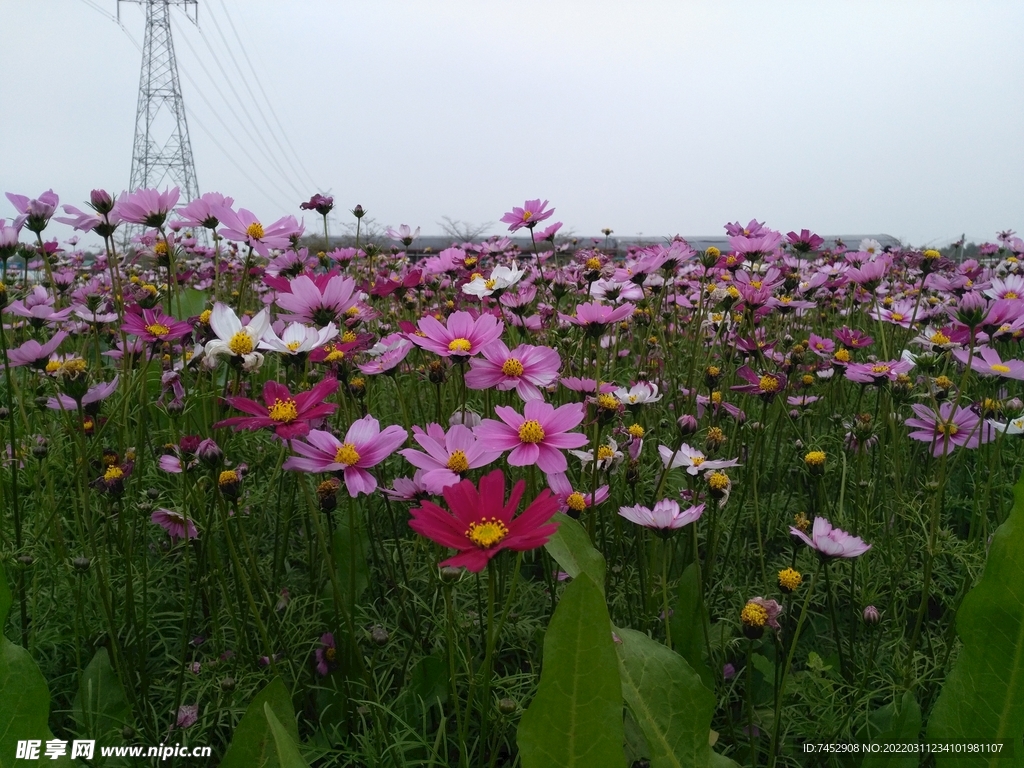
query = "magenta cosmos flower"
{"x": 34, "y": 353}
{"x": 318, "y": 300}
{"x": 289, "y": 415}
{"x": 526, "y": 370}
{"x": 949, "y": 428}
{"x": 154, "y": 326}
{"x": 990, "y": 364}
{"x": 532, "y": 213}
{"x": 365, "y": 446}
{"x": 879, "y": 372}
{"x": 831, "y": 542}
{"x": 665, "y": 517}
{"x": 36, "y": 212}
{"x": 148, "y": 206}
{"x": 175, "y": 523}
{"x": 244, "y": 227}
{"x": 594, "y": 317}
{"x": 447, "y": 456}
{"x": 480, "y": 523}
{"x": 201, "y": 212}
{"x": 462, "y": 336}
{"x": 537, "y": 436}
{"x": 766, "y": 386}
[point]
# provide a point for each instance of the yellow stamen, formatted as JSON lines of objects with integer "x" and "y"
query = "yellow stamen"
{"x": 460, "y": 346}
{"x": 487, "y": 532}
{"x": 457, "y": 462}
{"x": 241, "y": 343}
{"x": 347, "y": 455}
{"x": 531, "y": 431}
{"x": 576, "y": 502}
{"x": 512, "y": 367}
{"x": 255, "y": 231}
{"x": 283, "y": 411}
{"x": 158, "y": 329}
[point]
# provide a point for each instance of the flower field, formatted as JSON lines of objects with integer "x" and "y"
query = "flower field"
{"x": 312, "y": 505}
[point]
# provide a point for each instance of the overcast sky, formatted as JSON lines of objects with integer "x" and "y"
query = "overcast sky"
{"x": 902, "y": 118}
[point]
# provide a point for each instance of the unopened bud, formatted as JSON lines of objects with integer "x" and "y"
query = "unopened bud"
{"x": 871, "y": 615}
{"x": 379, "y": 635}
{"x": 450, "y": 573}
{"x": 687, "y": 425}
{"x": 507, "y": 706}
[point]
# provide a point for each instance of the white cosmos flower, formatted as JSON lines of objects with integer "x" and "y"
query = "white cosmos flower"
{"x": 298, "y": 338}
{"x": 501, "y": 279}
{"x": 1012, "y": 427}
{"x": 638, "y": 394}
{"x": 234, "y": 339}
{"x": 693, "y": 460}
{"x": 608, "y": 455}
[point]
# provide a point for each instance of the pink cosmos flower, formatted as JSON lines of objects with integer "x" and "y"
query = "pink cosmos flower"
{"x": 201, "y": 212}
{"x": 852, "y": 338}
{"x": 289, "y": 415}
{"x": 35, "y": 213}
{"x": 665, "y": 517}
{"x": 1009, "y": 287}
{"x": 318, "y": 300}
{"x": 175, "y": 523}
{"x": 395, "y": 348}
{"x": 404, "y": 234}
{"x": 148, "y": 206}
{"x": 766, "y": 386}
{"x": 365, "y": 446}
{"x": 949, "y": 428}
{"x": 537, "y": 436}
{"x": 97, "y": 393}
{"x": 480, "y": 523}
{"x": 409, "y": 489}
{"x": 532, "y": 213}
{"x": 448, "y": 456}
{"x": 188, "y": 714}
{"x": 38, "y": 306}
{"x": 822, "y": 347}
{"x": 154, "y": 326}
{"x": 879, "y": 372}
{"x": 594, "y": 317}
{"x": 326, "y": 654}
{"x": 526, "y": 370}
{"x": 990, "y": 364}
{"x": 574, "y": 502}
{"x": 831, "y": 542}
{"x": 244, "y": 227}
{"x": 33, "y": 353}
{"x": 462, "y": 337}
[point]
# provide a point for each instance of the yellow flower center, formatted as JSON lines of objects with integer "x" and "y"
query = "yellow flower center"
{"x": 733, "y": 292}
{"x": 718, "y": 481}
{"x": 204, "y": 316}
{"x": 815, "y": 458}
{"x": 754, "y": 615}
{"x": 469, "y": 261}
{"x": 713, "y": 370}
{"x": 347, "y": 455}
{"x": 897, "y": 316}
{"x": 607, "y": 401}
{"x": 293, "y": 345}
{"x": 931, "y": 254}
{"x": 768, "y": 384}
{"x": 489, "y": 284}
{"x": 227, "y": 477}
{"x": 843, "y": 355}
{"x": 527, "y": 215}
{"x": 331, "y": 654}
{"x": 460, "y": 346}
{"x": 283, "y": 411}
{"x": 1010, "y": 295}
{"x": 790, "y": 579}
{"x": 487, "y": 533}
{"x": 593, "y": 263}
{"x": 241, "y": 343}
{"x": 713, "y": 252}
{"x": 53, "y": 366}
{"x": 255, "y": 231}
{"x": 512, "y": 367}
{"x": 158, "y": 329}
{"x": 1000, "y": 368}
{"x": 939, "y": 338}
{"x": 112, "y": 474}
{"x": 807, "y": 379}
{"x": 604, "y": 453}
{"x": 348, "y": 337}
{"x": 716, "y": 397}
{"x": 881, "y": 368}
{"x": 696, "y": 461}
{"x": 755, "y": 283}
{"x": 716, "y": 435}
{"x": 531, "y": 431}
{"x": 576, "y": 502}
{"x": 800, "y": 521}
{"x": 150, "y": 289}
{"x": 947, "y": 429}
{"x": 635, "y": 430}
{"x": 457, "y": 462}
{"x": 160, "y": 248}
{"x": 334, "y": 356}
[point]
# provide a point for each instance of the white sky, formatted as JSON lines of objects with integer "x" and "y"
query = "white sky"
{"x": 671, "y": 117}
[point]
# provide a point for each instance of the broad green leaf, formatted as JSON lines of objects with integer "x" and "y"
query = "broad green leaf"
{"x": 983, "y": 697}
{"x": 571, "y": 548}
{"x": 668, "y": 700}
{"x": 721, "y": 761}
{"x": 575, "y": 720}
{"x": 6, "y": 599}
{"x": 193, "y": 303}
{"x": 287, "y": 750}
{"x": 253, "y": 744}
{"x": 351, "y": 556}
{"x": 688, "y": 626}
{"x": 24, "y": 707}
{"x": 904, "y": 728}
{"x": 101, "y": 708}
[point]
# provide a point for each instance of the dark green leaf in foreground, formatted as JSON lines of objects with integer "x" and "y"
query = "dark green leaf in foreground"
{"x": 5, "y": 599}
{"x": 668, "y": 700}
{"x": 24, "y": 706}
{"x": 904, "y": 727}
{"x": 101, "y": 708}
{"x": 983, "y": 697}
{"x": 285, "y": 745}
{"x": 571, "y": 548}
{"x": 688, "y": 626}
{"x": 254, "y": 744}
{"x": 575, "y": 721}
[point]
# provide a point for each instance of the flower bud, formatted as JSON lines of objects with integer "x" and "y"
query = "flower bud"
{"x": 687, "y": 425}
{"x": 81, "y": 564}
{"x": 507, "y": 706}
{"x": 450, "y": 573}
{"x": 26, "y": 560}
{"x": 871, "y": 615}
{"x": 209, "y": 453}
{"x": 227, "y": 684}
{"x": 379, "y": 635}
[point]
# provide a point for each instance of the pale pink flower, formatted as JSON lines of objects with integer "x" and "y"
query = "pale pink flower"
{"x": 526, "y": 369}
{"x": 537, "y": 436}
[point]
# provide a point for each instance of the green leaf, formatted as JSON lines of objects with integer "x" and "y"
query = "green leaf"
{"x": 253, "y": 745}
{"x": 721, "y": 761}
{"x": 6, "y": 599}
{"x": 668, "y": 700}
{"x": 288, "y": 755}
{"x": 575, "y": 720}
{"x": 688, "y": 626}
{"x": 904, "y": 728}
{"x": 351, "y": 556}
{"x": 983, "y": 697}
{"x": 193, "y": 303}
{"x": 24, "y": 706}
{"x": 101, "y": 708}
{"x": 571, "y": 548}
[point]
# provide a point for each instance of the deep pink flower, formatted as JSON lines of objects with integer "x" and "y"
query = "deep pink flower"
{"x": 365, "y": 446}
{"x": 805, "y": 242}
{"x": 175, "y": 523}
{"x": 244, "y": 227}
{"x": 766, "y": 386}
{"x": 322, "y": 204}
{"x": 532, "y": 213}
{"x": 326, "y": 654}
{"x": 289, "y": 415}
{"x": 666, "y": 516}
{"x": 154, "y": 326}
{"x": 852, "y": 338}
{"x": 537, "y": 436}
{"x": 188, "y": 714}
{"x": 481, "y": 524}
{"x": 462, "y": 337}
{"x": 831, "y": 542}
{"x": 949, "y": 428}
{"x": 526, "y": 370}
{"x": 448, "y": 456}
{"x": 148, "y": 206}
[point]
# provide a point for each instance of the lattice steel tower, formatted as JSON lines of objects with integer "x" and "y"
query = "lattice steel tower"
{"x": 162, "y": 152}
